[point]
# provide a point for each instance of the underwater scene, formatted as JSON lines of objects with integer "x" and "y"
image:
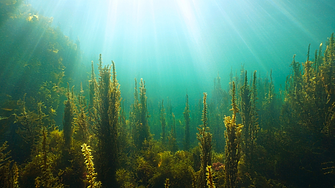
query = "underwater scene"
{"x": 167, "y": 93}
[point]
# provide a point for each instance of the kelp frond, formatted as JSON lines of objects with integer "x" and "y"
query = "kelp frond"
{"x": 91, "y": 174}
{"x": 233, "y": 141}
{"x": 209, "y": 176}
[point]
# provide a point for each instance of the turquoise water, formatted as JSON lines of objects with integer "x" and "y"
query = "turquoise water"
{"x": 180, "y": 46}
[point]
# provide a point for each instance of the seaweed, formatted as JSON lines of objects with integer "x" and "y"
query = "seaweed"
{"x": 107, "y": 105}
{"x": 217, "y": 109}
{"x": 233, "y": 144}
{"x": 209, "y": 177}
{"x": 44, "y": 160}
{"x": 205, "y": 144}
{"x": 249, "y": 121}
{"x": 91, "y": 174}
{"x": 5, "y": 165}
{"x": 68, "y": 120}
{"x": 167, "y": 183}
{"x": 163, "y": 123}
{"x": 82, "y": 132}
{"x": 174, "y": 166}
{"x": 173, "y": 136}
{"x": 140, "y": 126}
{"x": 187, "y": 118}
{"x": 125, "y": 142}
{"x": 29, "y": 128}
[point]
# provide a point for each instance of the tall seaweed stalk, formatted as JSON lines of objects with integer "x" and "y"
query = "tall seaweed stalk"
{"x": 107, "y": 105}
{"x": 205, "y": 143}
{"x": 233, "y": 144}
{"x": 187, "y": 125}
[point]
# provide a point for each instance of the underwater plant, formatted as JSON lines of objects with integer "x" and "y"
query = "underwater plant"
{"x": 144, "y": 112}
{"x": 187, "y": 125}
{"x": 29, "y": 129}
{"x": 254, "y": 129}
{"x": 270, "y": 106}
{"x": 209, "y": 177}
{"x": 125, "y": 141}
{"x": 15, "y": 178}
{"x": 82, "y": 134}
{"x": 167, "y": 183}
{"x": 139, "y": 114}
{"x": 134, "y": 118}
{"x": 68, "y": 150}
{"x": 107, "y": 105}
{"x": 92, "y": 105}
{"x": 4, "y": 165}
{"x": 249, "y": 120}
{"x": 327, "y": 75}
{"x": 93, "y": 87}
{"x": 8, "y": 8}
{"x": 306, "y": 119}
{"x": 233, "y": 144}
{"x": 173, "y": 136}
{"x": 42, "y": 55}
{"x": 218, "y": 107}
{"x": 174, "y": 166}
{"x": 68, "y": 119}
{"x": 125, "y": 178}
{"x": 163, "y": 123}
{"x": 205, "y": 144}
{"x": 75, "y": 133}
{"x": 9, "y": 171}
{"x": 91, "y": 174}
{"x": 47, "y": 179}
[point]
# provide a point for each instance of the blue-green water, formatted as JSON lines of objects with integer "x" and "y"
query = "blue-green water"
{"x": 180, "y": 48}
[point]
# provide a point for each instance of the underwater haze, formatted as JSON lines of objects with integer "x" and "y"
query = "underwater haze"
{"x": 167, "y": 93}
{"x": 178, "y": 46}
